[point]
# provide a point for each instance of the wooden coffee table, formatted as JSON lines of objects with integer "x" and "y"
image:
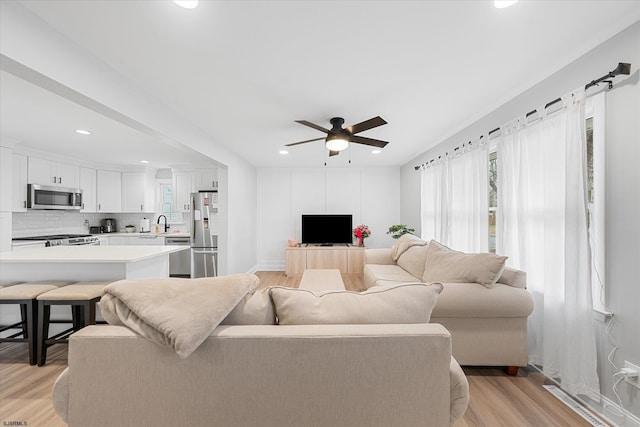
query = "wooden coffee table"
{"x": 322, "y": 280}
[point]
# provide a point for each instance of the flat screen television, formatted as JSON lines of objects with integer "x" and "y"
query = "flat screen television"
{"x": 327, "y": 229}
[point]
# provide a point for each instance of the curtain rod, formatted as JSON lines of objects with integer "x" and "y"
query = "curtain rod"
{"x": 622, "y": 68}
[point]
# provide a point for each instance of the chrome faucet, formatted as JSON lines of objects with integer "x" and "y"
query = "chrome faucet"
{"x": 166, "y": 226}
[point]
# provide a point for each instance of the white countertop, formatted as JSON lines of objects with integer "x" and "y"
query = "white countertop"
{"x": 88, "y": 254}
{"x": 150, "y": 235}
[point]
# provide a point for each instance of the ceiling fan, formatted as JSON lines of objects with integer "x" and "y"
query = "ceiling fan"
{"x": 338, "y": 138}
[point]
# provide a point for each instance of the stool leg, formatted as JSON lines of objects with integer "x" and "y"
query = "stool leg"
{"x": 44, "y": 313}
{"x": 88, "y": 313}
{"x": 32, "y": 322}
{"x": 23, "y": 317}
{"x": 77, "y": 316}
{"x": 92, "y": 311}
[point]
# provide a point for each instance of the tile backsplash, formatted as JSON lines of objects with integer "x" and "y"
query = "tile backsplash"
{"x": 40, "y": 223}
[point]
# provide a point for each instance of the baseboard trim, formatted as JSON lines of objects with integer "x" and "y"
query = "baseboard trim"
{"x": 269, "y": 266}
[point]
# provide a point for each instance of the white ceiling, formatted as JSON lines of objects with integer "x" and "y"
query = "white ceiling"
{"x": 243, "y": 71}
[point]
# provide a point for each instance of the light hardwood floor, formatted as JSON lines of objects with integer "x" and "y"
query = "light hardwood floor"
{"x": 496, "y": 398}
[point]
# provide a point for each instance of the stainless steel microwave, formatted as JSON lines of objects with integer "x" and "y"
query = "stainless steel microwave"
{"x": 48, "y": 197}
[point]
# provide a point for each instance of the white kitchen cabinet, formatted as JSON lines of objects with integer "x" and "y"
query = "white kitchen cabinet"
{"x": 137, "y": 192}
{"x": 19, "y": 183}
{"x": 205, "y": 179}
{"x": 48, "y": 172}
{"x": 109, "y": 191}
{"x": 182, "y": 188}
{"x": 88, "y": 187}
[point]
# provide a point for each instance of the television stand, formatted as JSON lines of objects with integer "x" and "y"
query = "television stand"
{"x": 346, "y": 258}
{"x": 326, "y": 244}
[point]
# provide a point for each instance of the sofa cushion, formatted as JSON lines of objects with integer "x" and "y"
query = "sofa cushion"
{"x": 373, "y": 273}
{"x": 413, "y": 260}
{"x": 403, "y": 243}
{"x": 255, "y": 308}
{"x": 404, "y": 303}
{"x": 446, "y": 265}
{"x": 474, "y": 300}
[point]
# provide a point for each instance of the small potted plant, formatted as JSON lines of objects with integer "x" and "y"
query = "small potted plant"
{"x": 398, "y": 230}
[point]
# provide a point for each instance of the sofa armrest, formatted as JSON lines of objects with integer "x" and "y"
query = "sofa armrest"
{"x": 378, "y": 256}
{"x": 513, "y": 277}
{"x": 118, "y": 378}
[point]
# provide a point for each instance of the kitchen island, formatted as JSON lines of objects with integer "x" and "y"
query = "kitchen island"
{"x": 86, "y": 263}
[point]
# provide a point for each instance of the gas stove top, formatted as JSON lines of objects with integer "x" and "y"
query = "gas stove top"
{"x": 65, "y": 239}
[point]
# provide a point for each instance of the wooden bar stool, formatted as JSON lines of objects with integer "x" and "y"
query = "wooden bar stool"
{"x": 82, "y": 297}
{"x": 24, "y": 295}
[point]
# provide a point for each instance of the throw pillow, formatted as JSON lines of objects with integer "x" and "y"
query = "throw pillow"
{"x": 413, "y": 260}
{"x": 403, "y": 243}
{"x": 446, "y": 265}
{"x": 255, "y": 308}
{"x": 403, "y": 303}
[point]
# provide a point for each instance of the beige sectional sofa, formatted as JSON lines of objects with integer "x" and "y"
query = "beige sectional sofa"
{"x": 488, "y": 322}
{"x": 250, "y": 371}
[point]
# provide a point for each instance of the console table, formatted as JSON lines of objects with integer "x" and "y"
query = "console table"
{"x": 347, "y": 259}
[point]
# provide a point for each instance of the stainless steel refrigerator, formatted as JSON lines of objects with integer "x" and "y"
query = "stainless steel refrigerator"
{"x": 204, "y": 234}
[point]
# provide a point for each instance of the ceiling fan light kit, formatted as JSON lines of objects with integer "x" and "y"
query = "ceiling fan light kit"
{"x": 338, "y": 138}
{"x": 336, "y": 143}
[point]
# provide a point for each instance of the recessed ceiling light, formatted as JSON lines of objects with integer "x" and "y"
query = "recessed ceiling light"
{"x": 144, "y": 161}
{"x": 284, "y": 152}
{"x": 376, "y": 151}
{"x": 501, "y": 4}
{"x": 83, "y": 132}
{"x": 187, "y": 4}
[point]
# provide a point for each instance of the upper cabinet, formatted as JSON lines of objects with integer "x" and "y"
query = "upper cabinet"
{"x": 109, "y": 191}
{"x": 48, "y": 172}
{"x": 182, "y": 188}
{"x": 205, "y": 179}
{"x": 88, "y": 187}
{"x": 19, "y": 185}
{"x": 138, "y": 193}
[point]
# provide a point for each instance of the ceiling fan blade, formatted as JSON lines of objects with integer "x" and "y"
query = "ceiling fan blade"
{"x": 333, "y": 153}
{"x": 313, "y": 125}
{"x": 368, "y": 141}
{"x": 303, "y": 142}
{"x": 366, "y": 125}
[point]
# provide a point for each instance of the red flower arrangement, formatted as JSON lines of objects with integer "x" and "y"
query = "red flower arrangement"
{"x": 361, "y": 232}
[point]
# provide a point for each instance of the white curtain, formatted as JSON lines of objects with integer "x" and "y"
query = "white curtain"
{"x": 433, "y": 201}
{"x": 469, "y": 201}
{"x": 455, "y": 201}
{"x": 542, "y": 227}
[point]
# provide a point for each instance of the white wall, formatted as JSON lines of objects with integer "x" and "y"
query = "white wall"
{"x": 622, "y": 186}
{"x": 371, "y": 195}
{"x": 6, "y": 177}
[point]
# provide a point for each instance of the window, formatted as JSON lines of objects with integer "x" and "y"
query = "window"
{"x": 165, "y": 203}
{"x": 493, "y": 199}
{"x": 595, "y": 145}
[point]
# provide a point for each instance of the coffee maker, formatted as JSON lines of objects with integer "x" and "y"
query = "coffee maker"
{"x": 109, "y": 225}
